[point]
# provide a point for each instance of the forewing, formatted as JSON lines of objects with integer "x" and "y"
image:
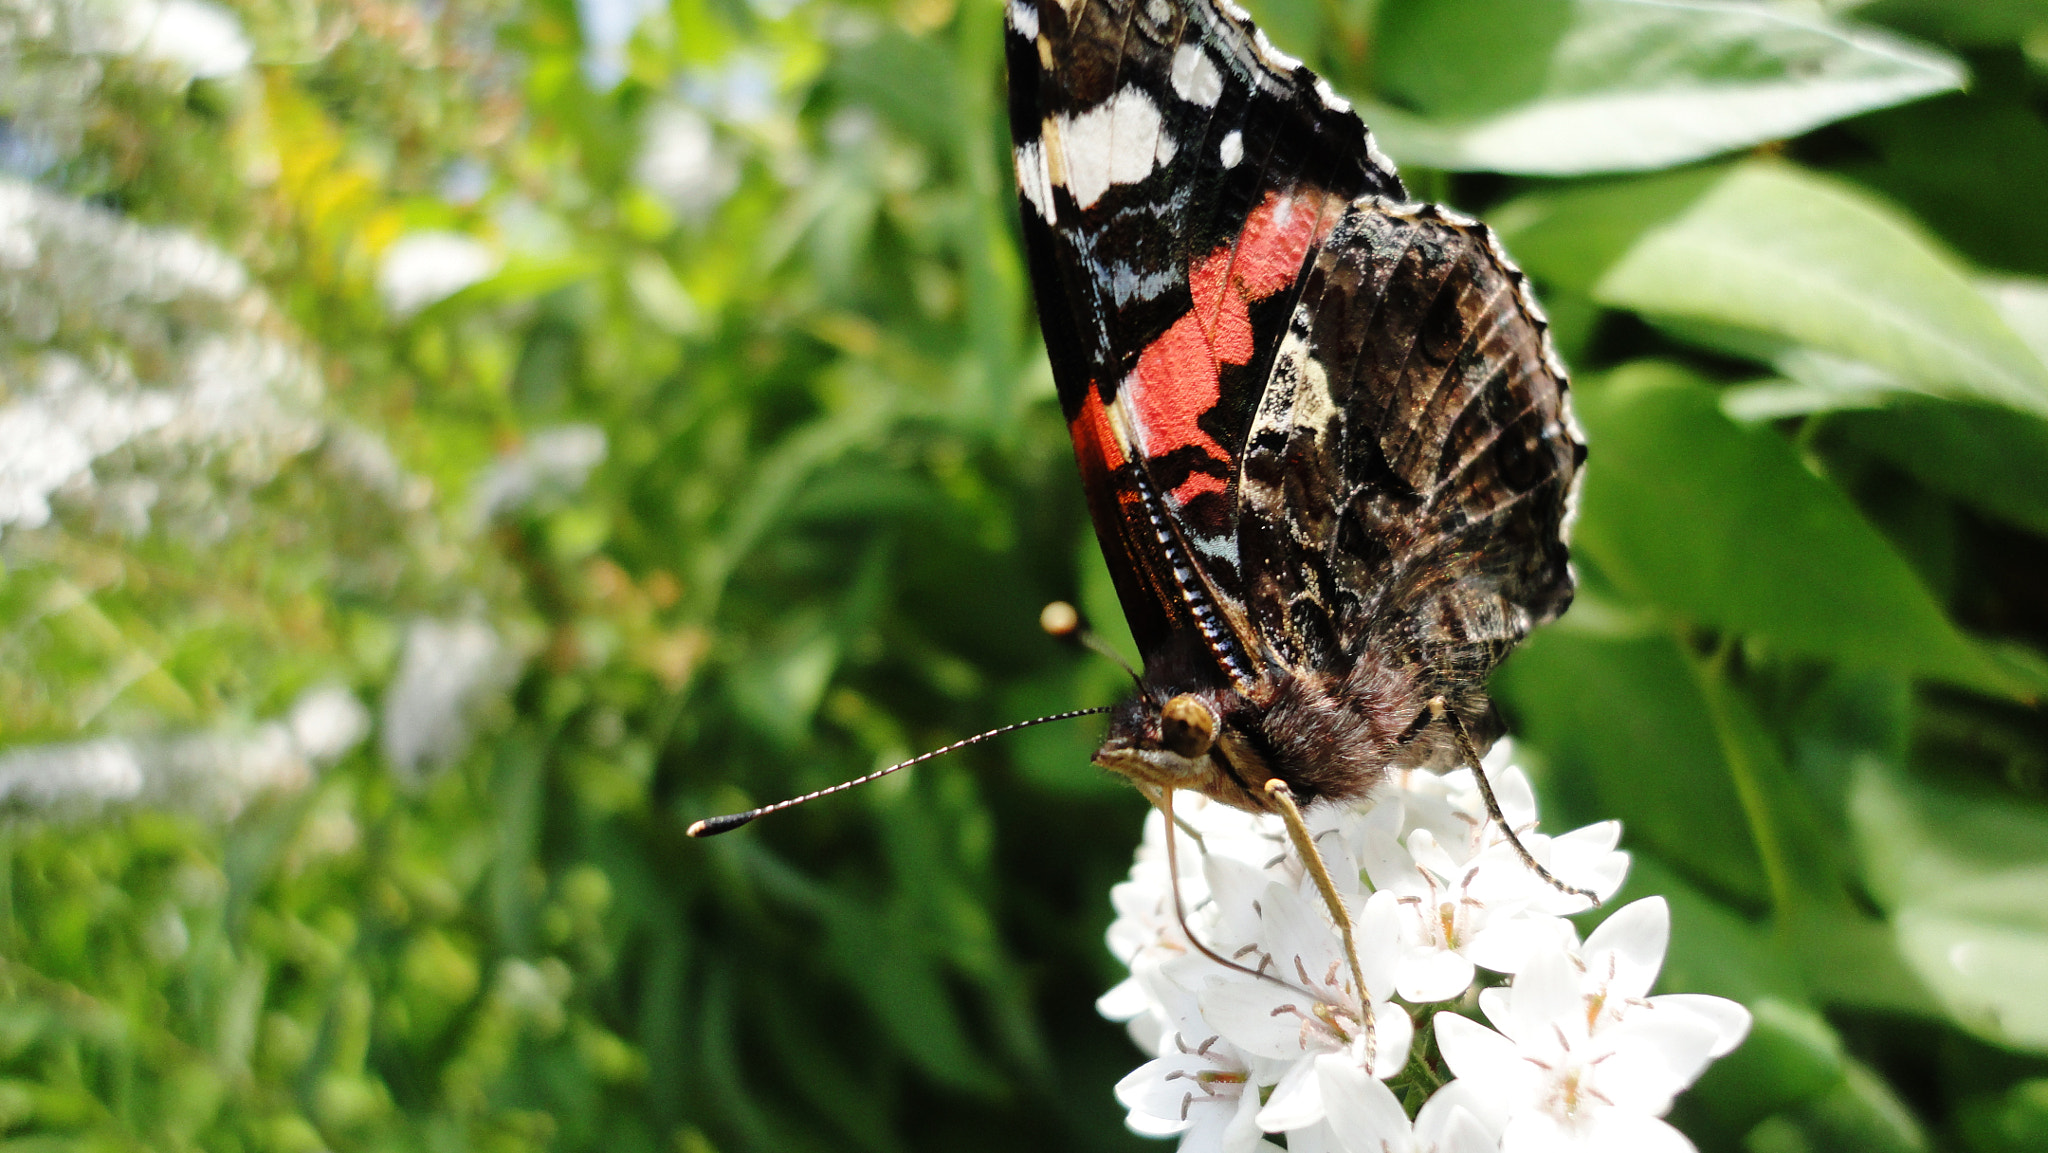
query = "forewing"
{"x": 1409, "y": 474}
{"x": 1175, "y": 174}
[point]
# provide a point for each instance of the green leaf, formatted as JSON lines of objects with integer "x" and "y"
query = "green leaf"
{"x": 1961, "y": 21}
{"x": 1570, "y": 86}
{"x": 1628, "y": 736}
{"x": 1568, "y": 237}
{"x": 1963, "y": 875}
{"x": 1722, "y": 525}
{"x": 2012, "y": 1122}
{"x": 1773, "y": 257}
{"x": 1969, "y": 166}
{"x": 1989, "y": 458}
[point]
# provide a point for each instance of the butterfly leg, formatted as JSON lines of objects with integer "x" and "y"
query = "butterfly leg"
{"x": 1438, "y": 711}
{"x": 1312, "y": 859}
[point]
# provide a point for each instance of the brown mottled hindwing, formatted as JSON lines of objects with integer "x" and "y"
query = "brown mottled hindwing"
{"x": 1410, "y": 468}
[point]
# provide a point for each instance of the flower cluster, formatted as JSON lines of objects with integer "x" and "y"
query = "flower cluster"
{"x": 1282, "y": 1040}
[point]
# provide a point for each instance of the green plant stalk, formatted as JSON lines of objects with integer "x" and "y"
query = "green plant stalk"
{"x": 1711, "y": 674}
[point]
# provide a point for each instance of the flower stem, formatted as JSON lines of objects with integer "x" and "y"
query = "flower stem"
{"x": 1712, "y": 675}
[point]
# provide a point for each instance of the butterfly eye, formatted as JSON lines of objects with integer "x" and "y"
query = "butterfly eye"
{"x": 1187, "y": 726}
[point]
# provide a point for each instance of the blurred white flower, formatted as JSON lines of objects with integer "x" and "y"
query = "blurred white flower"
{"x": 681, "y": 161}
{"x": 226, "y": 398}
{"x": 553, "y": 461}
{"x": 447, "y": 669}
{"x": 199, "y": 38}
{"x": 422, "y": 268}
{"x": 214, "y": 773}
{"x": 69, "y": 779}
{"x": 327, "y": 722}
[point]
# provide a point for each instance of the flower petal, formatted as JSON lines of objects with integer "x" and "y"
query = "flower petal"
{"x": 1393, "y": 1036}
{"x": 1426, "y": 975}
{"x": 1620, "y": 1131}
{"x": 1728, "y": 1019}
{"x": 1297, "y": 1101}
{"x": 1363, "y": 1112}
{"x": 1125, "y": 1000}
{"x": 1450, "y": 1122}
{"x": 1506, "y": 944}
{"x": 1259, "y": 1017}
{"x": 1627, "y": 950}
{"x": 1547, "y": 999}
{"x": 1487, "y": 1062}
{"x": 1154, "y": 1094}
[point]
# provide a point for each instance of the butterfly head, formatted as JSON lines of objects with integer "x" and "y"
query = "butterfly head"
{"x": 1185, "y": 741}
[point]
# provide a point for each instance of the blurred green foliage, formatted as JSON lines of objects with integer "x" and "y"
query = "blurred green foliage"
{"x": 768, "y": 251}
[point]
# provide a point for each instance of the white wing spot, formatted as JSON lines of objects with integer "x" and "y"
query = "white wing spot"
{"x": 1160, "y": 11}
{"x": 1116, "y": 142}
{"x": 1032, "y": 178}
{"x": 1195, "y": 77}
{"x": 1024, "y": 19}
{"x": 1232, "y": 150}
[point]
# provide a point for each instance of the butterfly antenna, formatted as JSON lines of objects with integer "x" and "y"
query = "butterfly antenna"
{"x": 1438, "y": 710}
{"x": 712, "y": 826}
{"x": 1062, "y": 620}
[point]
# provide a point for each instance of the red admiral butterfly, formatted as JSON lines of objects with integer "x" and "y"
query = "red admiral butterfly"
{"x": 1327, "y": 447}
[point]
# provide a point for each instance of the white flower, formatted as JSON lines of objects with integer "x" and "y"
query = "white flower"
{"x": 1615, "y": 969}
{"x": 1201, "y": 1086}
{"x": 1453, "y": 809}
{"x": 326, "y": 722}
{"x": 1583, "y": 1061}
{"x": 1466, "y": 898}
{"x": 1452, "y": 917}
{"x": 1367, "y": 1118}
{"x": 1259, "y": 1023}
{"x": 1306, "y": 1009}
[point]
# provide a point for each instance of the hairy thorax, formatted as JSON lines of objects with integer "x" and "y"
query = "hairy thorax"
{"x": 1325, "y": 735}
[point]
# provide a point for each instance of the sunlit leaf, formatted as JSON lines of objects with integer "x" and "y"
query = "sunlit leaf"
{"x": 1960, "y": 872}
{"x": 1571, "y": 86}
{"x": 1723, "y": 526}
{"x": 1773, "y": 257}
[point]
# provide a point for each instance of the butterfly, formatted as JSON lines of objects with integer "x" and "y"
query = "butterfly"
{"x": 1325, "y": 441}
{"x": 1326, "y": 444}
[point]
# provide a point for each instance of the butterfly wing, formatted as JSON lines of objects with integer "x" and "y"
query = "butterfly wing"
{"x": 1176, "y": 176}
{"x": 1413, "y": 462}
